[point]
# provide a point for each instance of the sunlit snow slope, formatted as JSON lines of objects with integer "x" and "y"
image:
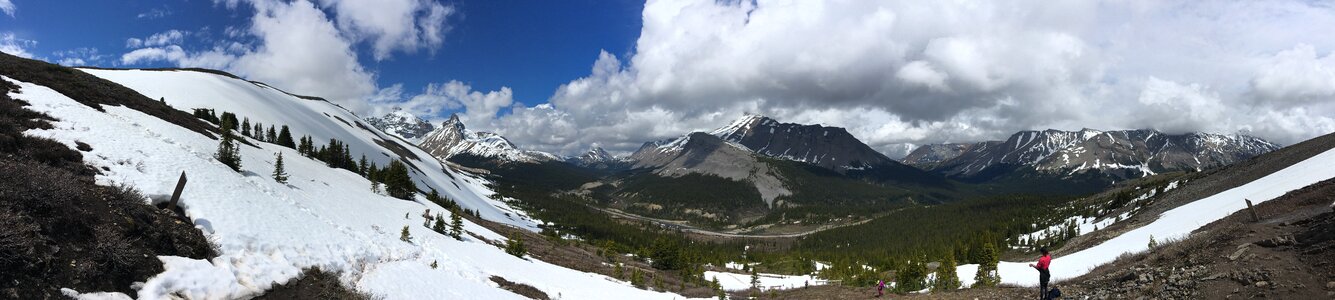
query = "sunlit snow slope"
{"x": 1172, "y": 224}
{"x": 322, "y": 120}
{"x": 326, "y": 218}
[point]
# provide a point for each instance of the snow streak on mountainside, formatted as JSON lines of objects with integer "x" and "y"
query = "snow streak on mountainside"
{"x": 453, "y": 139}
{"x": 323, "y": 217}
{"x": 402, "y": 124}
{"x": 930, "y": 156}
{"x": 1125, "y": 153}
{"x": 829, "y": 147}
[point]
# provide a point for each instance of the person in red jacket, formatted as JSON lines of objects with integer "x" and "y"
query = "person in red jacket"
{"x": 1043, "y": 275}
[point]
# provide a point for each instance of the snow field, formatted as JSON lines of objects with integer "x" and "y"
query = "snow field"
{"x": 737, "y": 282}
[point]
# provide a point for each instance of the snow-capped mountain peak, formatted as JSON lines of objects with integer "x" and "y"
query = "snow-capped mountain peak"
{"x": 1131, "y": 153}
{"x": 746, "y": 122}
{"x": 596, "y": 154}
{"x": 598, "y": 158}
{"x": 403, "y": 124}
{"x": 454, "y": 139}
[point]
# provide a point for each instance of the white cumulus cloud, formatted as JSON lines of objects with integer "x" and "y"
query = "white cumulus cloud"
{"x": 8, "y": 8}
{"x": 307, "y": 47}
{"x": 915, "y": 72}
{"x": 13, "y": 45}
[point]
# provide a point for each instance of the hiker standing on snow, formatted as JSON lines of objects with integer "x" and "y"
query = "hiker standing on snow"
{"x": 1043, "y": 275}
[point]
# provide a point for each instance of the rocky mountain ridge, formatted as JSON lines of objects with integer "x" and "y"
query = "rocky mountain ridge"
{"x": 402, "y": 124}
{"x": 453, "y": 139}
{"x": 1122, "y": 153}
{"x": 829, "y": 147}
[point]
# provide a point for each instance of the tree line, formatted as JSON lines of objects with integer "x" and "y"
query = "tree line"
{"x": 336, "y": 154}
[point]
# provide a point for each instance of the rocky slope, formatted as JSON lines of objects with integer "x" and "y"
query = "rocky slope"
{"x": 1121, "y": 154}
{"x": 402, "y": 124}
{"x": 453, "y": 139}
{"x": 707, "y": 154}
{"x": 1287, "y": 254}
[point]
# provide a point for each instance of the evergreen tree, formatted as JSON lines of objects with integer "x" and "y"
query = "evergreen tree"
{"x": 621, "y": 273}
{"x": 911, "y": 276}
{"x": 229, "y": 121}
{"x": 666, "y": 254}
{"x": 229, "y": 152}
{"x": 405, "y": 236}
{"x": 206, "y": 115}
{"x": 1153, "y": 243}
{"x": 515, "y": 246}
{"x": 718, "y": 289}
{"x": 245, "y": 127}
{"x": 439, "y": 226}
{"x": 258, "y": 133}
{"x": 987, "y": 269}
{"x": 755, "y": 281}
{"x": 361, "y": 165}
{"x": 271, "y": 135}
{"x": 279, "y": 172}
{"x": 636, "y": 279}
{"x": 397, "y": 182}
{"x": 304, "y": 147}
{"x": 946, "y": 277}
{"x": 456, "y": 226}
{"x": 285, "y": 138}
{"x": 433, "y": 264}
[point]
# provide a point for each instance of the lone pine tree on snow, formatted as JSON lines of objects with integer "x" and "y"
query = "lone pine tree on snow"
{"x": 229, "y": 153}
{"x": 987, "y": 269}
{"x": 279, "y": 172}
{"x": 439, "y": 226}
{"x": 456, "y": 226}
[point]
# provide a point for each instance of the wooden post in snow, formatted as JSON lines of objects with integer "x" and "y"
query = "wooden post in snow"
{"x": 180, "y": 185}
{"x": 1252, "y": 210}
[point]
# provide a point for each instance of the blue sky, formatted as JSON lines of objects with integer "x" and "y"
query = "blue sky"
{"x": 530, "y": 46}
{"x": 563, "y": 76}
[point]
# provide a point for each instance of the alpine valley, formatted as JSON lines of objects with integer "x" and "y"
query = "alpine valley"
{"x": 758, "y": 175}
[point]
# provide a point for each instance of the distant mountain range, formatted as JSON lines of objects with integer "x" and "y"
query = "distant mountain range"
{"x": 756, "y": 166}
{"x": 453, "y": 139}
{"x": 1120, "y": 154}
